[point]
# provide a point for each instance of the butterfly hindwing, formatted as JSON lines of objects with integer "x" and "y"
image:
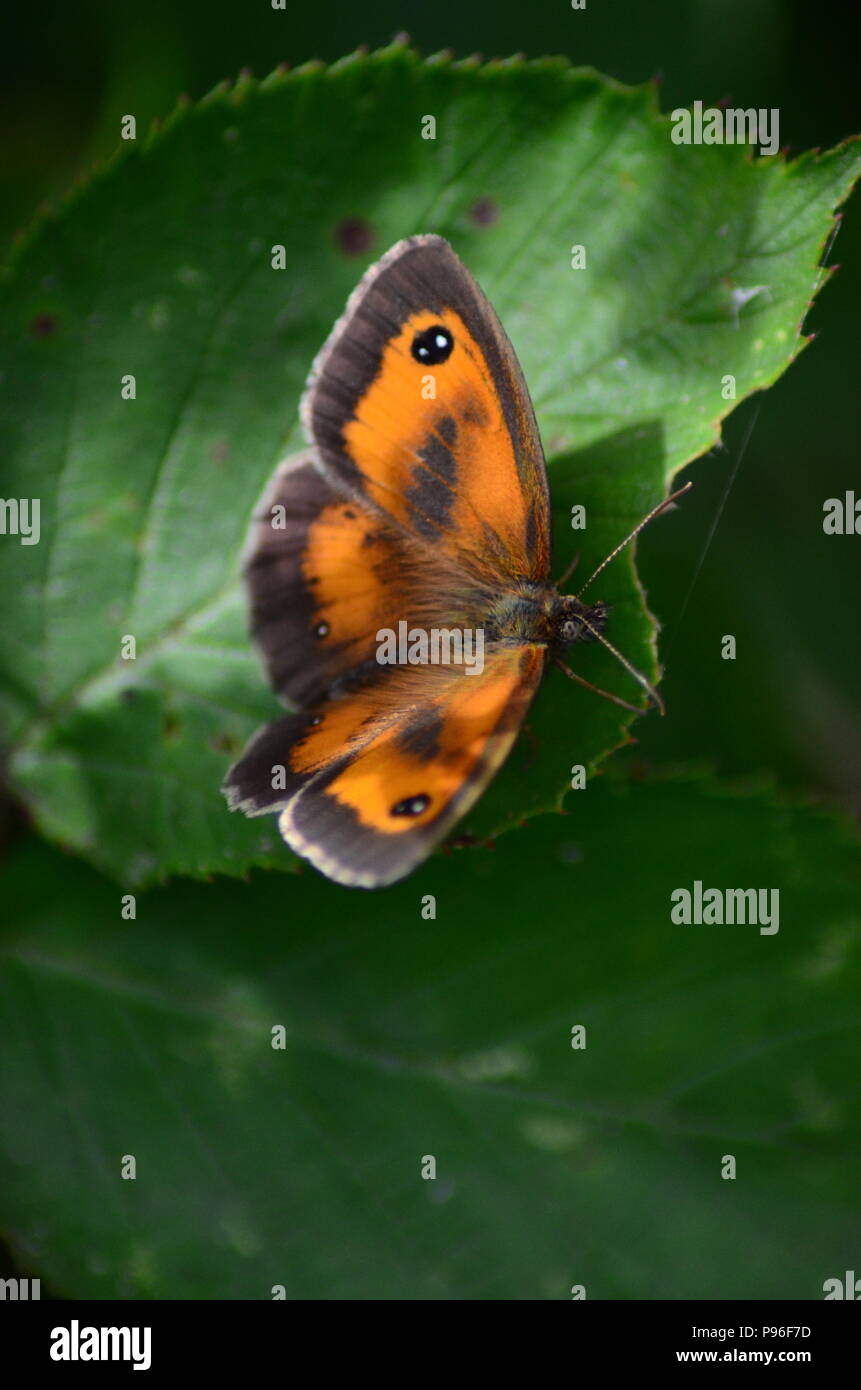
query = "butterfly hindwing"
{"x": 369, "y": 783}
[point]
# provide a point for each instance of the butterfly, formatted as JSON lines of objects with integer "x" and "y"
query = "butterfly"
{"x": 420, "y": 507}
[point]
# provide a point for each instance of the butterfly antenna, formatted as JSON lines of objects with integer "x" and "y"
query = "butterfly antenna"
{"x": 632, "y": 670}
{"x": 656, "y": 511}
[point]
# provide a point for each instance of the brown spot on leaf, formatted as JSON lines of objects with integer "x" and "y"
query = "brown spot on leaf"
{"x": 224, "y": 743}
{"x": 43, "y": 326}
{"x": 354, "y": 236}
{"x": 484, "y": 212}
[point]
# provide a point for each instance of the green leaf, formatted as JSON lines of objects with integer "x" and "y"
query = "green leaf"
{"x": 449, "y": 1038}
{"x": 700, "y": 263}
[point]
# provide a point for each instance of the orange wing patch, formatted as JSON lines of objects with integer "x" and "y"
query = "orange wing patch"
{"x": 425, "y": 767}
{"x": 442, "y": 464}
{"x": 336, "y": 729}
{"x": 351, "y": 568}
{"x": 324, "y": 573}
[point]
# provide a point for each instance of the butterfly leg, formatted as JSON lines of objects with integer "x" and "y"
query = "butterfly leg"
{"x": 617, "y": 699}
{"x": 571, "y": 567}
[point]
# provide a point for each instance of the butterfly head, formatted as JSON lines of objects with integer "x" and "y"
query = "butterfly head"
{"x": 575, "y": 621}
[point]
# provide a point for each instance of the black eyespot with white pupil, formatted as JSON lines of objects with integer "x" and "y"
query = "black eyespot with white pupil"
{"x": 321, "y": 630}
{"x": 433, "y": 345}
{"x": 411, "y": 806}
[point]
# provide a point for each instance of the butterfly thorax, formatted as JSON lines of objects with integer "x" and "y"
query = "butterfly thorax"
{"x": 533, "y": 612}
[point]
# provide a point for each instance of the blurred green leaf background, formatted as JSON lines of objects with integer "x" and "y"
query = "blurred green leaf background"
{"x": 408, "y": 1039}
{"x": 724, "y": 1040}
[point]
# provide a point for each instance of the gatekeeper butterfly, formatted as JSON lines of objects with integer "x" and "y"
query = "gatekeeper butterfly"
{"x": 418, "y": 520}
